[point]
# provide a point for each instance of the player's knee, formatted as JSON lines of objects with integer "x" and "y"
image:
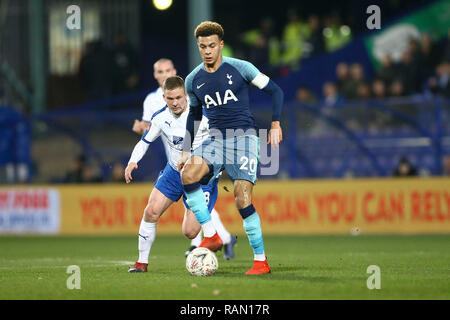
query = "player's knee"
{"x": 190, "y": 230}
{"x": 190, "y": 233}
{"x": 150, "y": 215}
{"x": 241, "y": 202}
{"x": 189, "y": 175}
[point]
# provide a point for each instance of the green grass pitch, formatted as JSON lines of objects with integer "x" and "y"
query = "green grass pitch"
{"x": 303, "y": 267}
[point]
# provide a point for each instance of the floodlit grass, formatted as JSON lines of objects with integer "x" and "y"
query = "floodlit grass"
{"x": 303, "y": 267}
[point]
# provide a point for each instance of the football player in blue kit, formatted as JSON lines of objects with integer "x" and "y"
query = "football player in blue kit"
{"x": 220, "y": 86}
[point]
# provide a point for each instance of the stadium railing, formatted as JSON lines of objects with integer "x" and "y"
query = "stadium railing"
{"x": 353, "y": 139}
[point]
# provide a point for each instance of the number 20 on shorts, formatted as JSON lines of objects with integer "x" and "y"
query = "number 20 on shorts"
{"x": 252, "y": 163}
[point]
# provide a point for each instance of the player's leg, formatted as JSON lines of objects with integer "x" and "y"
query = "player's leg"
{"x": 211, "y": 192}
{"x": 192, "y": 230}
{"x": 156, "y": 206}
{"x": 190, "y": 227}
{"x": 229, "y": 241}
{"x": 167, "y": 191}
{"x": 252, "y": 225}
{"x": 243, "y": 173}
{"x": 193, "y": 171}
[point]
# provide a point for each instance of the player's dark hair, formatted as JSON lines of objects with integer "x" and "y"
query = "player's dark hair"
{"x": 209, "y": 28}
{"x": 173, "y": 82}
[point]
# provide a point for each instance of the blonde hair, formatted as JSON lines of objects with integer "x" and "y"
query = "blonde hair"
{"x": 209, "y": 28}
{"x": 173, "y": 82}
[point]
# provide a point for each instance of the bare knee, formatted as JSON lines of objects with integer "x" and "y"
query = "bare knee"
{"x": 194, "y": 170}
{"x": 150, "y": 215}
{"x": 190, "y": 226}
{"x": 190, "y": 233}
{"x": 188, "y": 175}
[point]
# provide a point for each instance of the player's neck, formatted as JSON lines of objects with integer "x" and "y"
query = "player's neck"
{"x": 215, "y": 66}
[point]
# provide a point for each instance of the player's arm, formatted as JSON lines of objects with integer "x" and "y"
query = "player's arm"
{"x": 271, "y": 88}
{"x": 140, "y": 126}
{"x": 140, "y": 149}
{"x": 252, "y": 75}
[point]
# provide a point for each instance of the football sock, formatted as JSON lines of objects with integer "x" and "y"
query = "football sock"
{"x": 197, "y": 240}
{"x": 147, "y": 233}
{"x": 195, "y": 198}
{"x": 252, "y": 226}
{"x": 223, "y": 233}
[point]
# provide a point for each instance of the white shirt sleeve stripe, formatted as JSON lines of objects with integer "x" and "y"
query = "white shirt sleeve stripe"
{"x": 260, "y": 81}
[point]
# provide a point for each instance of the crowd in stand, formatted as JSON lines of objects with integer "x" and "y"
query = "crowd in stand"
{"x": 423, "y": 69}
{"x": 300, "y": 38}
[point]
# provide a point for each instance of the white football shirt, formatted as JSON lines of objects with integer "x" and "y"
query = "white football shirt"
{"x": 152, "y": 104}
{"x": 173, "y": 129}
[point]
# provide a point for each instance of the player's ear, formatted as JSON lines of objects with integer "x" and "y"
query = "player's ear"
{"x": 221, "y": 44}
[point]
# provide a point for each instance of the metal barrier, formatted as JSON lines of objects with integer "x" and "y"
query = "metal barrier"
{"x": 357, "y": 139}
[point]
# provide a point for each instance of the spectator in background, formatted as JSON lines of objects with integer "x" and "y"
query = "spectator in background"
{"x": 409, "y": 72}
{"x": 95, "y": 71}
{"x": 314, "y": 38}
{"x": 431, "y": 55}
{"x": 336, "y": 34}
{"x": 117, "y": 173}
{"x": 446, "y": 55}
{"x": 262, "y": 46}
{"x": 294, "y": 35}
{"x": 352, "y": 84}
{"x": 331, "y": 96}
{"x": 396, "y": 88}
{"x": 75, "y": 175}
{"x": 363, "y": 91}
{"x": 343, "y": 81}
{"x": 378, "y": 89}
{"x": 125, "y": 64}
{"x": 405, "y": 169}
{"x": 304, "y": 95}
{"x": 440, "y": 83}
{"x": 446, "y": 165}
{"x": 91, "y": 173}
{"x": 387, "y": 72}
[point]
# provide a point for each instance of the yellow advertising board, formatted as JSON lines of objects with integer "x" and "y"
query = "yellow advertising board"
{"x": 368, "y": 206}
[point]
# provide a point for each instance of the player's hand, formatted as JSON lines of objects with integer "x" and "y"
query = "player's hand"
{"x": 137, "y": 127}
{"x": 183, "y": 159}
{"x": 275, "y": 134}
{"x": 128, "y": 170}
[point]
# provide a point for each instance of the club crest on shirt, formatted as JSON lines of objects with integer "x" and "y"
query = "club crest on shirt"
{"x": 177, "y": 140}
{"x": 230, "y": 82}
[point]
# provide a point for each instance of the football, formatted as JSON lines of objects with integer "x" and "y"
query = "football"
{"x": 202, "y": 262}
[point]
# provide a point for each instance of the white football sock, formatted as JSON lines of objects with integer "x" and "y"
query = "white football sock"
{"x": 208, "y": 229}
{"x": 197, "y": 240}
{"x": 260, "y": 257}
{"x": 223, "y": 233}
{"x": 147, "y": 234}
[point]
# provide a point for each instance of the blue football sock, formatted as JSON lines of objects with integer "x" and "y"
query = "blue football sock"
{"x": 252, "y": 226}
{"x": 195, "y": 198}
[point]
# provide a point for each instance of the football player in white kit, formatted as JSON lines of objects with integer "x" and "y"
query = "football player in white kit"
{"x": 162, "y": 69}
{"x": 170, "y": 123}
